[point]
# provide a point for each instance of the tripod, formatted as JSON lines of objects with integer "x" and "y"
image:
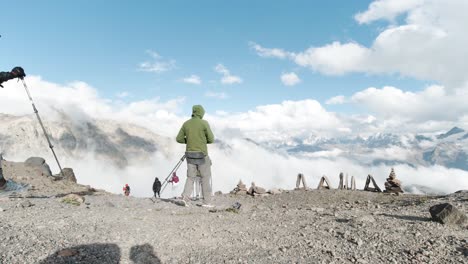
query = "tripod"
{"x": 166, "y": 181}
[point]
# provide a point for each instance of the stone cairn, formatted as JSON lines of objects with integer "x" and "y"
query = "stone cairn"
{"x": 368, "y": 188}
{"x": 324, "y": 183}
{"x": 255, "y": 190}
{"x": 393, "y": 185}
{"x": 301, "y": 179}
{"x": 344, "y": 183}
{"x": 353, "y": 184}
{"x": 240, "y": 189}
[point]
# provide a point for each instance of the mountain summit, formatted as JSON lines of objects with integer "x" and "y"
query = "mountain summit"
{"x": 453, "y": 131}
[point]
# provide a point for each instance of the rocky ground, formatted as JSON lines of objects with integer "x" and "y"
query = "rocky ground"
{"x": 319, "y": 226}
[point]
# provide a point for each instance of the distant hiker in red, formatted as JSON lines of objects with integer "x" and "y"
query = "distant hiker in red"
{"x": 126, "y": 190}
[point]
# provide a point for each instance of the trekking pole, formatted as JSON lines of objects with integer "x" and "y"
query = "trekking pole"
{"x": 166, "y": 181}
{"x": 42, "y": 125}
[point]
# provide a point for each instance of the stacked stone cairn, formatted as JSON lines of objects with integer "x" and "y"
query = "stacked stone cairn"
{"x": 393, "y": 185}
{"x": 240, "y": 189}
{"x": 255, "y": 190}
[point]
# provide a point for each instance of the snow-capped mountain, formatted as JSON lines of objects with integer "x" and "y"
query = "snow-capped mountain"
{"x": 448, "y": 149}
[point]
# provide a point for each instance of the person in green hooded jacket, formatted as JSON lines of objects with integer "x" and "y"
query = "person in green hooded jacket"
{"x": 196, "y": 134}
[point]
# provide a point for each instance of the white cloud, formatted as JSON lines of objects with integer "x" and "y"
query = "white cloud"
{"x": 227, "y": 77}
{"x": 340, "y": 99}
{"x": 82, "y": 101}
{"x": 158, "y": 65}
{"x": 193, "y": 79}
{"x": 290, "y": 79}
{"x": 269, "y": 53}
{"x": 335, "y": 58}
{"x": 122, "y": 94}
{"x": 216, "y": 95}
{"x": 426, "y": 46}
{"x": 283, "y": 121}
{"x": 386, "y": 9}
{"x": 431, "y": 104}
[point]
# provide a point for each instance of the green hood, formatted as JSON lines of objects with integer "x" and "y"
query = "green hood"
{"x": 198, "y": 111}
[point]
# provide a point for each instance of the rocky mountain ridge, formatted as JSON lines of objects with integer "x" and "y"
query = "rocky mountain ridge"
{"x": 117, "y": 142}
{"x": 448, "y": 149}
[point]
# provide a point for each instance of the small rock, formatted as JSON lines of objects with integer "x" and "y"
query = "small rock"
{"x": 67, "y": 252}
{"x": 74, "y": 199}
{"x": 1, "y": 209}
{"x": 274, "y": 191}
{"x": 447, "y": 214}
{"x": 364, "y": 219}
{"x": 318, "y": 210}
{"x": 25, "y": 204}
{"x": 356, "y": 241}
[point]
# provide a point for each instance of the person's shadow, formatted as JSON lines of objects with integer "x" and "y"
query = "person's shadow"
{"x": 143, "y": 254}
{"x": 91, "y": 253}
{"x": 102, "y": 254}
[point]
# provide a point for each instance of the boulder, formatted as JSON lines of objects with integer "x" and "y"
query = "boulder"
{"x": 34, "y": 161}
{"x": 447, "y": 214}
{"x": 259, "y": 190}
{"x": 68, "y": 174}
{"x": 45, "y": 170}
{"x": 254, "y": 189}
{"x": 41, "y": 163}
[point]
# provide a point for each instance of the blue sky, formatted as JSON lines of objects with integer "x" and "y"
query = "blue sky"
{"x": 103, "y": 43}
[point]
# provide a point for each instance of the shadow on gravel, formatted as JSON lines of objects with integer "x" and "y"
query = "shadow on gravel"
{"x": 102, "y": 254}
{"x": 12, "y": 188}
{"x": 91, "y": 253}
{"x": 409, "y": 217}
{"x": 143, "y": 254}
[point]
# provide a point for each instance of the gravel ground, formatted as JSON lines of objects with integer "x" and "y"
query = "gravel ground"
{"x": 293, "y": 227}
{"x": 318, "y": 226}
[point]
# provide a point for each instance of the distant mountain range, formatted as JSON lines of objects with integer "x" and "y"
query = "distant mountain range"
{"x": 122, "y": 143}
{"x": 119, "y": 143}
{"x": 448, "y": 149}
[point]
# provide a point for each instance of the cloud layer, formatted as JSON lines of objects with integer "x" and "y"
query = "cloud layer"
{"x": 233, "y": 159}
